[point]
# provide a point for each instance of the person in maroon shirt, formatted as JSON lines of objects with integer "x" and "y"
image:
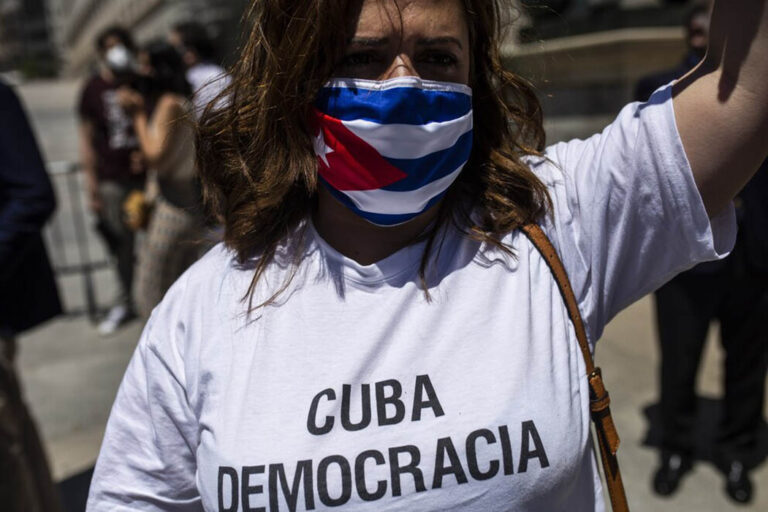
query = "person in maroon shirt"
{"x": 112, "y": 160}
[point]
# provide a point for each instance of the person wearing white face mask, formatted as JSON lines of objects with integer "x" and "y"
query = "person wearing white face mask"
{"x": 112, "y": 161}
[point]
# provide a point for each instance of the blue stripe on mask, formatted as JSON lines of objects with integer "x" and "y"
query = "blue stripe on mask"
{"x": 400, "y": 105}
{"x": 438, "y": 164}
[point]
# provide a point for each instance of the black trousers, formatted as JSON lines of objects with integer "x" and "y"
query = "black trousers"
{"x": 685, "y": 306}
{"x": 118, "y": 236}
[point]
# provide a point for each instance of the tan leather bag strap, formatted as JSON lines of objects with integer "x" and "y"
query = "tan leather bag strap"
{"x": 607, "y": 437}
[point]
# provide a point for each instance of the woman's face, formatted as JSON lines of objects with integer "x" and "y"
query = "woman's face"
{"x": 395, "y": 38}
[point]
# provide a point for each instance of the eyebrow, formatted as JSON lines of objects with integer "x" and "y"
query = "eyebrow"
{"x": 430, "y": 41}
{"x": 372, "y": 42}
{"x": 369, "y": 41}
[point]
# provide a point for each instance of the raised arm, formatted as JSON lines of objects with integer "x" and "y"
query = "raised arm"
{"x": 721, "y": 107}
{"x": 156, "y": 138}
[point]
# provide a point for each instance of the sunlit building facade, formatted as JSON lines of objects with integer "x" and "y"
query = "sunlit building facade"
{"x": 78, "y": 22}
{"x": 26, "y": 44}
{"x": 585, "y": 57}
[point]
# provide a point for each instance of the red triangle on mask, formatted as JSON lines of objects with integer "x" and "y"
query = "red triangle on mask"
{"x": 353, "y": 164}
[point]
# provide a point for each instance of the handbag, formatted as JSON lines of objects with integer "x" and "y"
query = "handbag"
{"x": 599, "y": 401}
{"x": 137, "y": 210}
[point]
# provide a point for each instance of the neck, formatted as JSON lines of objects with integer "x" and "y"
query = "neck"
{"x": 358, "y": 239}
{"x": 107, "y": 74}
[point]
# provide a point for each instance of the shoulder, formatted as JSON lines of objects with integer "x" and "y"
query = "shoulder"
{"x": 206, "y": 71}
{"x": 545, "y": 166}
{"x": 615, "y": 148}
{"x": 553, "y": 167}
{"x": 216, "y": 266}
{"x": 9, "y": 101}
{"x": 209, "y": 78}
{"x": 200, "y": 288}
{"x": 215, "y": 291}
{"x": 171, "y": 101}
{"x": 171, "y": 105}
{"x": 6, "y": 92}
{"x": 209, "y": 291}
{"x": 13, "y": 113}
{"x": 93, "y": 85}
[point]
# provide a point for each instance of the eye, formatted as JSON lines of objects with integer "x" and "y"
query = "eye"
{"x": 442, "y": 59}
{"x": 358, "y": 59}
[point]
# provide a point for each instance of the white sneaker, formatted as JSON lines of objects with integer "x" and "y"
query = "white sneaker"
{"x": 116, "y": 317}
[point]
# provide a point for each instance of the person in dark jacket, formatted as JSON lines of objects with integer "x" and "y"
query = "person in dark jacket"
{"x": 734, "y": 292}
{"x": 28, "y": 297}
{"x": 697, "y": 36}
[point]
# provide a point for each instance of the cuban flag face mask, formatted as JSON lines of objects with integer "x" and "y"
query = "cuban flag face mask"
{"x": 389, "y": 150}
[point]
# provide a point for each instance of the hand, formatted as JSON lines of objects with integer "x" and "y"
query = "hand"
{"x": 137, "y": 162}
{"x": 136, "y": 210}
{"x": 735, "y": 34}
{"x": 95, "y": 203}
{"x": 131, "y": 101}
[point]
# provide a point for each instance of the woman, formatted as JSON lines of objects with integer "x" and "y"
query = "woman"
{"x": 375, "y": 333}
{"x": 166, "y": 138}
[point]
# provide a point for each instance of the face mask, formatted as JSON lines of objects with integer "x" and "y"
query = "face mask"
{"x": 118, "y": 59}
{"x": 389, "y": 150}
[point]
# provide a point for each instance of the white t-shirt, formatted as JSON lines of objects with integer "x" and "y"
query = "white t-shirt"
{"x": 207, "y": 81}
{"x": 354, "y": 392}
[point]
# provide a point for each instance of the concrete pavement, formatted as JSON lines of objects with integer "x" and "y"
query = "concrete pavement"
{"x": 70, "y": 377}
{"x": 628, "y": 355}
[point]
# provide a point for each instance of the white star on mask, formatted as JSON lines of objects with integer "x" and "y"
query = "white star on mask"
{"x": 322, "y": 149}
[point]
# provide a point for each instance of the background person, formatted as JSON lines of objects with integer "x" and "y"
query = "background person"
{"x": 28, "y": 297}
{"x": 373, "y": 187}
{"x": 733, "y": 291}
{"x": 205, "y": 76}
{"x": 166, "y": 138}
{"x": 697, "y": 36}
{"x": 112, "y": 161}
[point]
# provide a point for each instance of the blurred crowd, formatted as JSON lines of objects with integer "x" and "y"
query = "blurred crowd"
{"x": 137, "y": 116}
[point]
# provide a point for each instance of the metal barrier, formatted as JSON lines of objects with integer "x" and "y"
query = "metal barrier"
{"x": 69, "y": 235}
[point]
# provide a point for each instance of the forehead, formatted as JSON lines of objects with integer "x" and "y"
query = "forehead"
{"x": 378, "y": 17}
{"x": 111, "y": 41}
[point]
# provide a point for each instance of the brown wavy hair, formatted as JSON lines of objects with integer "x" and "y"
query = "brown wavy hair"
{"x": 255, "y": 153}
